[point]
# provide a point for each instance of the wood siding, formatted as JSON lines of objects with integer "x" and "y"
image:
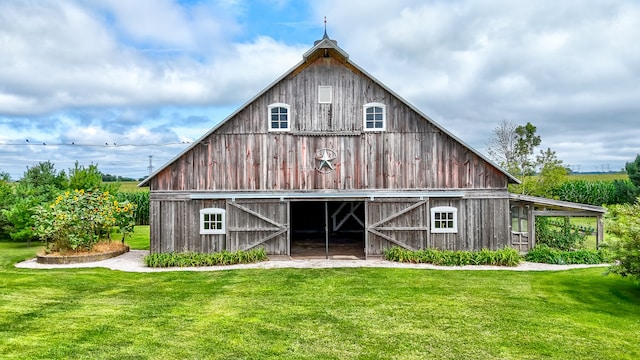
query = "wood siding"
{"x": 482, "y": 223}
{"x": 242, "y": 154}
{"x": 175, "y": 226}
{"x": 258, "y": 223}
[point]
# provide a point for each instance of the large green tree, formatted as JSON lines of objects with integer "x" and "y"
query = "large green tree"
{"x": 40, "y": 184}
{"x": 514, "y": 148}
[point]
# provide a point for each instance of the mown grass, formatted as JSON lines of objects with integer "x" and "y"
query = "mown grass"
{"x": 360, "y": 313}
{"x": 138, "y": 240}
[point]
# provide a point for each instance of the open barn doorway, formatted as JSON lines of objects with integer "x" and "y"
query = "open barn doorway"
{"x": 327, "y": 229}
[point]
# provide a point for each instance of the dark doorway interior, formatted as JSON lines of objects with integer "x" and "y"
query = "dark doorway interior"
{"x": 345, "y": 228}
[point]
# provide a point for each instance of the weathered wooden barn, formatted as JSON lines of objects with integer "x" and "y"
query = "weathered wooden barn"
{"x": 328, "y": 161}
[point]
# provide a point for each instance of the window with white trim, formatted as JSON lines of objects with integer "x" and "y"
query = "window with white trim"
{"x": 212, "y": 221}
{"x": 444, "y": 219}
{"x": 279, "y": 117}
{"x": 375, "y": 117}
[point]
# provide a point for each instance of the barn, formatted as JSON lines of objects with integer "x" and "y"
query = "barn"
{"x": 327, "y": 161}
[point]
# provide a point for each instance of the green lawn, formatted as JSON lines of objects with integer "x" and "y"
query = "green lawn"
{"x": 138, "y": 240}
{"x": 314, "y": 314}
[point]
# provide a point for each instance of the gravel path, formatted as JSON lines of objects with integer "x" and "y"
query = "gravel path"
{"x": 132, "y": 262}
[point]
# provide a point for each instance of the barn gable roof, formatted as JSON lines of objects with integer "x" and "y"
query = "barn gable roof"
{"x": 322, "y": 48}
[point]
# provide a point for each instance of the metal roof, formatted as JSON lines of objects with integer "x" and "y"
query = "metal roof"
{"x": 556, "y": 204}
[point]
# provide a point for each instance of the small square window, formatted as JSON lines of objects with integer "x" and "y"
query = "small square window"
{"x": 444, "y": 219}
{"x": 212, "y": 221}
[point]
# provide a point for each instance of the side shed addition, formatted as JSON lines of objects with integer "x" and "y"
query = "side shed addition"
{"x": 525, "y": 209}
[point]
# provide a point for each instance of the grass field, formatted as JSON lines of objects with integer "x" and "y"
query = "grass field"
{"x": 314, "y": 314}
{"x": 599, "y": 177}
{"x": 131, "y": 186}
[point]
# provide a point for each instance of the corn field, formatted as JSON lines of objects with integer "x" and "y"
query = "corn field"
{"x": 141, "y": 200}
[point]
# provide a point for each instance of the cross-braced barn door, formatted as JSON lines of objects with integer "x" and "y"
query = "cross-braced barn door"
{"x": 403, "y": 223}
{"x": 258, "y": 223}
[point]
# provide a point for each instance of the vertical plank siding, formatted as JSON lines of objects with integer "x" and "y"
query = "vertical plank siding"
{"x": 177, "y": 226}
{"x": 258, "y": 223}
{"x": 396, "y": 222}
{"x": 411, "y": 154}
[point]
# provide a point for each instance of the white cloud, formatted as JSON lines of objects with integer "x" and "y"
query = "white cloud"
{"x": 571, "y": 68}
{"x": 80, "y": 62}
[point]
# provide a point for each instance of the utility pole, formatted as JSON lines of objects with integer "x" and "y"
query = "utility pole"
{"x": 150, "y": 167}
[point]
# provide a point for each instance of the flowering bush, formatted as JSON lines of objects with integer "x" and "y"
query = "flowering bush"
{"x": 79, "y": 219}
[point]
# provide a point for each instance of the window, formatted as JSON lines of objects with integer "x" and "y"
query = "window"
{"x": 212, "y": 221}
{"x": 325, "y": 94}
{"x": 444, "y": 219}
{"x": 374, "y": 117}
{"x": 279, "y": 119}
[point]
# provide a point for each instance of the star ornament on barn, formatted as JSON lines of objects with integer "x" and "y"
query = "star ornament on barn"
{"x": 325, "y": 159}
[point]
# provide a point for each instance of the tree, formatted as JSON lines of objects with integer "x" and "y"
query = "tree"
{"x": 551, "y": 174}
{"x": 502, "y": 146}
{"x": 526, "y": 143}
{"x": 89, "y": 178}
{"x": 40, "y": 184}
{"x": 6, "y": 201}
{"x": 633, "y": 170}
{"x": 44, "y": 178}
{"x": 624, "y": 222}
{"x": 513, "y": 147}
{"x": 85, "y": 178}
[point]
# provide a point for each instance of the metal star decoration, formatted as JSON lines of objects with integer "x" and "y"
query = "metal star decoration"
{"x": 325, "y": 157}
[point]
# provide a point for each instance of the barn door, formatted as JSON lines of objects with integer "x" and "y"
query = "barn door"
{"x": 258, "y": 223}
{"x": 403, "y": 223}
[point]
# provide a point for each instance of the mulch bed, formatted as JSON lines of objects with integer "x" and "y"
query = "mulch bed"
{"x": 99, "y": 252}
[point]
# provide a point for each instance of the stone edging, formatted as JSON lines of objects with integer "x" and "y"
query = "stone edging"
{"x": 74, "y": 259}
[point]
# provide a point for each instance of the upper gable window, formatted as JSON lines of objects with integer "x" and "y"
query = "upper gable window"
{"x": 375, "y": 117}
{"x": 325, "y": 94}
{"x": 279, "y": 117}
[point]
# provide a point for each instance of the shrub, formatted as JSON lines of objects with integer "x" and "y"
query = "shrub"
{"x": 77, "y": 219}
{"x": 188, "y": 259}
{"x": 501, "y": 257}
{"x": 548, "y": 255}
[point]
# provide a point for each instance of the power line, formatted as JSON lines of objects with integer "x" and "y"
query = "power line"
{"x": 93, "y": 145}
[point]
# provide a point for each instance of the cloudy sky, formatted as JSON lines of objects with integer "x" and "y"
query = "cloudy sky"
{"x": 114, "y": 82}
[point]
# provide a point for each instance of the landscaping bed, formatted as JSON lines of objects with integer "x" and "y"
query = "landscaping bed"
{"x": 100, "y": 251}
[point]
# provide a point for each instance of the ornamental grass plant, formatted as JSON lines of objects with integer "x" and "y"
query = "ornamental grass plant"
{"x": 501, "y": 257}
